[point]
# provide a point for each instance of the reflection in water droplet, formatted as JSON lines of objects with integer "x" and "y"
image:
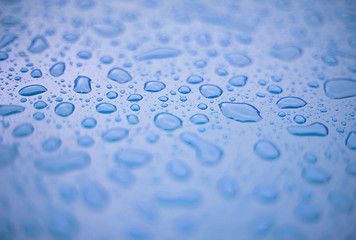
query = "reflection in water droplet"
{"x": 62, "y": 225}
{"x": 154, "y": 86}
{"x": 167, "y": 121}
{"x": 241, "y": 112}
{"x": 119, "y": 75}
{"x": 238, "y": 60}
{"x": 210, "y": 91}
{"x": 207, "y": 152}
{"x": 106, "y": 108}
{"x": 290, "y": 102}
{"x": 340, "y": 88}
{"x": 238, "y": 81}
{"x": 51, "y": 144}
{"x": 57, "y": 69}
{"x": 82, "y": 85}
{"x": 199, "y": 119}
{"x": 89, "y": 122}
{"x": 64, "y": 109}
{"x": 122, "y": 176}
{"x": 31, "y": 90}
{"x": 195, "y": 79}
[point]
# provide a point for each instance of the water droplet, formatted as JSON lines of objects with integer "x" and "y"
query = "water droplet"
{"x": 7, "y": 155}
{"x": 115, "y": 134}
{"x": 3, "y": 56}
{"x": 85, "y": 141}
{"x": 132, "y": 158}
{"x": 82, "y": 85}
{"x": 31, "y": 90}
{"x": 38, "y": 45}
{"x": 40, "y": 105}
{"x": 95, "y": 196}
{"x": 134, "y": 98}
{"x": 207, "y": 152}
{"x": 261, "y": 226}
{"x": 241, "y": 112}
{"x": 199, "y": 119}
{"x": 178, "y": 169}
{"x": 210, "y": 91}
{"x": 158, "y": 53}
{"x": 23, "y": 130}
{"x": 51, "y": 144}
{"x": 106, "y": 108}
{"x": 340, "y": 201}
{"x": 227, "y": 187}
{"x": 351, "y": 169}
{"x": 286, "y": 53}
{"x": 314, "y": 129}
{"x": 310, "y": 157}
{"x": 119, "y": 75}
{"x": 266, "y": 193}
{"x": 108, "y": 29}
{"x": 307, "y": 212}
{"x": 6, "y": 110}
{"x": 167, "y": 121}
{"x": 329, "y": 60}
{"x": 299, "y": 119}
{"x": 274, "y": 89}
{"x": 315, "y": 175}
{"x": 122, "y": 176}
{"x": 202, "y": 106}
{"x": 89, "y": 122}
{"x": 195, "y": 79}
{"x": 64, "y": 109}
{"x": 57, "y": 69}
{"x": 188, "y": 198}
{"x": 84, "y": 54}
{"x": 154, "y": 86}
{"x": 351, "y": 140}
{"x": 62, "y": 225}
{"x": 238, "y": 81}
{"x": 36, "y": 73}
{"x": 267, "y": 150}
{"x": 63, "y": 162}
{"x": 340, "y": 88}
{"x": 7, "y": 39}
{"x": 184, "y": 89}
{"x": 106, "y": 60}
{"x": 132, "y": 119}
{"x": 238, "y": 60}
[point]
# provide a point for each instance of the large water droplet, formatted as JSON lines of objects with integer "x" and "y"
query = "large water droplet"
{"x": 290, "y": 102}
{"x": 6, "y": 110}
{"x": 82, "y": 85}
{"x": 119, "y": 75}
{"x": 115, "y": 134}
{"x": 238, "y": 81}
{"x": 314, "y": 129}
{"x": 154, "y": 86}
{"x": 31, "y": 90}
{"x": 64, "y": 109}
{"x": 95, "y": 196}
{"x": 89, "y": 122}
{"x": 288, "y": 53}
{"x": 210, "y": 91}
{"x": 167, "y": 121}
{"x": 307, "y": 212}
{"x": 199, "y": 119}
{"x": 158, "y": 53}
{"x": 351, "y": 140}
{"x": 38, "y": 45}
{"x": 207, "y": 152}
{"x": 238, "y": 60}
{"x": 51, "y": 144}
{"x": 132, "y": 158}
{"x": 241, "y": 112}
{"x": 195, "y": 79}
{"x": 340, "y": 88}
{"x": 105, "y": 108}
{"x": 266, "y": 150}
{"x": 63, "y": 162}
{"x": 23, "y": 130}
{"x": 57, "y": 69}
{"x": 315, "y": 175}
{"x": 178, "y": 169}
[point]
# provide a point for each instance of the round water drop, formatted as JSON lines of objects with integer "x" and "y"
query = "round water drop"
{"x": 119, "y": 75}
{"x": 195, "y": 79}
{"x": 122, "y": 176}
{"x": 8, "y": 154}
{"x": 36, "y": 73}
{"x": 351, "y": 140}
{"x": 200, "y": 63}
{"x": 85, "y": 141}
{"x": 266, "y": 193}
{"x": 38, "y": 116}
{"x": 135, "y": 107}
{"x": 167, "y": 121}
{"x": 106, "y": 60}
{"x": 315, "y": 175}
{"x": 178, "y": 169}
{"x": 329, "y": 60}
{"x": 238, "y": 60}
{"x": 274, "y": 89}
{"x": 84, "y": 54}
{"x": 95, "y": 196}
{"x": 3, "y": 56}
{"x": 340, "y": 88}
{"x": 241, "y": 112}
{"x": 134, "y": 97}
{"x": 112, "y": 95}
{"x": 199, "y": 119}
{"x": 290, "y": 102}
{"x": 307, "y": 212}
{"x": 64, "y": 109}
{"x": 299, "y": 119}
{"x": 71, "y": 37}
{"x": 108, "y": 29}
{"x": 82, "y": 85}
{"x": 106, "y": 108}
{"x": 57, "y": 69}
{"x": 132, "y": 119}
{"x": 51, "y": 144}
{"x": 40, "y": 105}
{"x": 340, "y": 201}
{"x": 115, "y": 134}
{"x": 31, "y": 90}
{"x": 38, "y": 45}
{"x": 89, "y": 122}
{"x": 62, "y": 225}
{"x": 238, "y": 81}
{"x": 154, "y": 86}
{"x": 286, "y": 53}
{"x": 23, "y": 130}
{"x": 351, "y": 169}
{"x": 266, "y": 150}
{"x": 310, "y": 157}
{"x": 184, "y": 89}
{"x": 202, "y": 106}
{"x": 227, "y": 187}
{"x": 210, "y": 91}
{"x": 132, "y": 158}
